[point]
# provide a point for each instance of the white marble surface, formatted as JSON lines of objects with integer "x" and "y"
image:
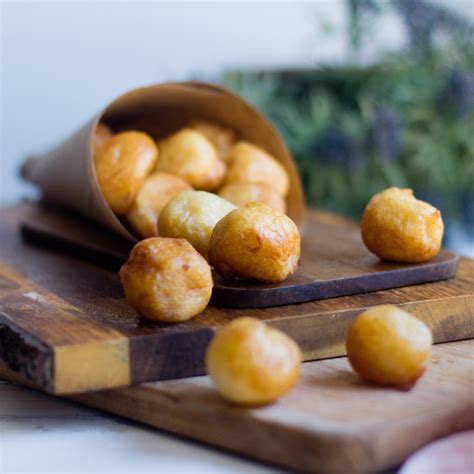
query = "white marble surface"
{"x": 40, "y": 433}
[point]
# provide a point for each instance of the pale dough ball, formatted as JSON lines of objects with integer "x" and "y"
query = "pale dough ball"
{"x": 388, "y": 346}
{"x": 166, "y": 280}
{"x": 157, "y": 190}
{"x": 252, "y": 363}
{"x": 192, "y": 216}
{"x": 221, "y": 137}
{"x": 190, "y": 155}
{"x": 121, "y": 167}
{"x": 255, "y": 242}
{"x": 242, "y": 193}
{"x": 250, "y": 163}
{"x": 398, "y": 227}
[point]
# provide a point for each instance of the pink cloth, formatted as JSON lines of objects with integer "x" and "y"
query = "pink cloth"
{"x": 451, "y": 455}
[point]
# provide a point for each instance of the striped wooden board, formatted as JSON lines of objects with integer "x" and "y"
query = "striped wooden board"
{"x": 334, "y": 261}
{"x": 331, "y": 422}
{"x": 65, "y": 326}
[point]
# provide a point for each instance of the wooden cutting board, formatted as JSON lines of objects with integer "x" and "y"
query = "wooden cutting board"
{"x": 332, "y": 422}
{"x": 334, "y": 261}
{"x": 66, "y": 327}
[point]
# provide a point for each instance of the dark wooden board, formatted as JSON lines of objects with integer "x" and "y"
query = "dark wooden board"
{"x": 334, "y": 261}
{"x": 331, "y": 422}
{"x": 65, "y": 325}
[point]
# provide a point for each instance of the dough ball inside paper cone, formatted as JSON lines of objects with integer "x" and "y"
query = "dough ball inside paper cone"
{"x": 66, "y": 174}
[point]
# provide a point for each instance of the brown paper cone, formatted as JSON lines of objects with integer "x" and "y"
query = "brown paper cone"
{"x": 66, "y": 174}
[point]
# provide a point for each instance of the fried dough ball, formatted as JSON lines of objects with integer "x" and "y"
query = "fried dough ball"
{"x": 252, "y": 363}
{"x": 192, "y": 215}
{"x": 250, "y": 163}
{"x": 221, "y": 137}
{"x": 102, "y": 135}
{"x": 388, "y": 346}
{"x": 157, "y": 190}
{"x": 190, "y": 155}
{"x": 242, "y": 193}
{"x": 398, "y": 227}
{"x": 255, "y": 242}
{"x": 122, "y": 165}
{"x": 166, "y": 280}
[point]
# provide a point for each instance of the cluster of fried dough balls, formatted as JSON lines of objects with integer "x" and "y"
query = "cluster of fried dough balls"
{"x": 192, "y": 216}
{"x": 139, "y": 176}
{"x": 166, "y": 280}
{"x": 255, "y": 242}
{"x": 201, "y": 185}
{"x": 252, "y": 363}
{"x": 122, "y": 164}
{"x": 398, "y": 227}
{"x": 388, "y": 346}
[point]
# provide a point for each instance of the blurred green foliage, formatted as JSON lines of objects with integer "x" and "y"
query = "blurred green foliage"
{"x": 407, "y": 120}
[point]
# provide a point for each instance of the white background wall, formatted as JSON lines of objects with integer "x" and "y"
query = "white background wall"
{"x": 63, "y": 61}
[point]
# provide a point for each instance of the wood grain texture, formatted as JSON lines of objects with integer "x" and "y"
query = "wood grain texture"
{"x": 332, "y": 422}
{"x": 77, "y": 304}
{"x": 334, "y": 261}
{"x": 77, "y": 354}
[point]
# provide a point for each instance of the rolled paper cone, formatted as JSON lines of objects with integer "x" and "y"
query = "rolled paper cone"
{"x": 66, "y": 174}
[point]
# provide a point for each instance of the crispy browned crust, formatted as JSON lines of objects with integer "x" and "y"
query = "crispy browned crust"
{"x": 398, "y": 227}
{"x": 255, "y": 242}
{"x": 166, "y": 280}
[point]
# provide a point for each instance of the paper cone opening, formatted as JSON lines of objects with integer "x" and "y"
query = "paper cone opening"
{"x": 66, "y": 174}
